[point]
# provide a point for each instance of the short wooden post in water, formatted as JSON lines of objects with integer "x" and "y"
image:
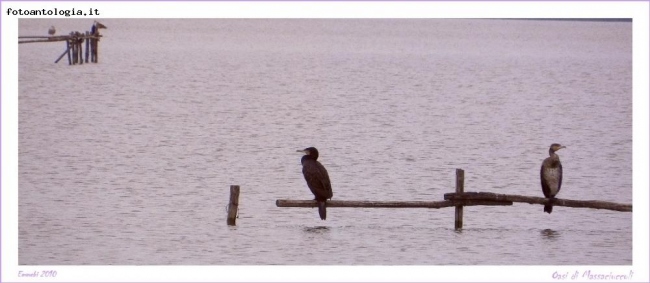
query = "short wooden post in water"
{"x": 233, "y": 205}
{"x": 460, "y": 188}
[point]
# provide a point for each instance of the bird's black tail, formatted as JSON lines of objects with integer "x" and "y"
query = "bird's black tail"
{"x": 549, "y": 208}
{"x": 321, "y": 210}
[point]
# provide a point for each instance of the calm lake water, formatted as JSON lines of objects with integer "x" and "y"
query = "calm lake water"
{"x": 129, "y": 161}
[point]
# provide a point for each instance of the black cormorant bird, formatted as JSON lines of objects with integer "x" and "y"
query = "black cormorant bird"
{"x": 551, "y": 175}
{"x": 317, "y": 179}
{"x": 96, "y": 25}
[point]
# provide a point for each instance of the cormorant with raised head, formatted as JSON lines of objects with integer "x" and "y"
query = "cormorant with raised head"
{"x": 96, "y": 26}
{"x": 551, "y": 175}
{"x": 317, "y": 179}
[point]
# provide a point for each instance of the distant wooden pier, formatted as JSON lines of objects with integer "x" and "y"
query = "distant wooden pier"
{"x": 74, "y": 46}
{"x": 460, "y": 199}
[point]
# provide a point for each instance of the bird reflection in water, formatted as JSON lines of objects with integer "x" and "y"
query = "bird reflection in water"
{"x": 316, "y": 229}
{"x": 550, "y": 234}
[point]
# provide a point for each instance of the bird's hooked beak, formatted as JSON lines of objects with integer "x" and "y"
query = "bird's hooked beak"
{"x": 304, "y": 151}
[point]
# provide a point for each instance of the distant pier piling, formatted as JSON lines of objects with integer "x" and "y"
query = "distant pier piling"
{"x": 67, "y": 50}
{"x": 74, "y": 46}
{"x": 233, "y": 205}
{"x": 87, "y": 45}
{"x": 460, "y": 199}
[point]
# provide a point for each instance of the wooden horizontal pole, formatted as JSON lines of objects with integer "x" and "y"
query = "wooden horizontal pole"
{"x": 55, "y": 38}
{"x": 388, "y": 204}
{"x": 595, "y": 204}
{"x": 41, "y": 36}
{"x": 42, "y": 40}
{"x": 82, "y": 35}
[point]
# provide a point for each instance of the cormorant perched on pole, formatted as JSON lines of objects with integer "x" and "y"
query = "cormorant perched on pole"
{"x": 96, "y": 25}
{"x": 51, "y": 31}
{"x": 317, "y": 179}
{"x": 551, "y": 175}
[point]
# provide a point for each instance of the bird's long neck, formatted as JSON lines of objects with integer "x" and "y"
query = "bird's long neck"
{"x": 305, "y": 158}
{"x": 554, "y": 157}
